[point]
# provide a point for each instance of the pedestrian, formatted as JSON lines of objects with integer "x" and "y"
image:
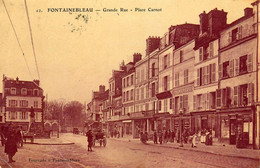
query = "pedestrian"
{"x": 19, "y": 137}
{"x": 155, "y": 137}
{"x": 173, "y": 135}
{"x": 11, "y": 144}
{"x": 193, "y": 142}
{"x": 160, "y": 137}
{"x": 90, "y": 140}
{"x": 165, "y": 136}
{"x": 170, "y": 135}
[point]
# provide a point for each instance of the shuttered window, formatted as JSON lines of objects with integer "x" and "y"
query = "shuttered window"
{"x": 218, "y": 99}
{"x": 220, "y": 71}
{"x": 231, "y": 68}
{"x": 198, "y": 77}
{"x": 237, "y": 66}
{"x": 211, "y": 49}
{"x": 173, "y": 105}
{"x": 194, "y": 102}
{"x": 235, "y": 96}
{"x": 200, "y": 53}
{"x": 249, "y": 63}
{"x": 207, "y": 100}
{"x": 250, "y": 93}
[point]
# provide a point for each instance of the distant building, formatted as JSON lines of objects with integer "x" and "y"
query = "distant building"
{"x": 18, "y": 98}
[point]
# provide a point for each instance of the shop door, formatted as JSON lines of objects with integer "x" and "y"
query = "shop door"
{"x": 233, "y": 132}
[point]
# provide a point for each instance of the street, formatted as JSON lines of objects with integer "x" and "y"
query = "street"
{"x": 117, "y": 153}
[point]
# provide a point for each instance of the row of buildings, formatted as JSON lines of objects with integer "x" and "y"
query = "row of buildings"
{"x": 194, "y": 77}
{"x": 18, "y": 100}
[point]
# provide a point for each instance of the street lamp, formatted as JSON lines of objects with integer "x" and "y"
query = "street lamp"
{"x": 180, "y": 123}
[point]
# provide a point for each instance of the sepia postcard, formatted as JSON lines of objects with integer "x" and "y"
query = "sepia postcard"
{"x": 129, "y": 84}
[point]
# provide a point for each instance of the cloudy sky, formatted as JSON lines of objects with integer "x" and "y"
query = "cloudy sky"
{"x": 76, "y": 52}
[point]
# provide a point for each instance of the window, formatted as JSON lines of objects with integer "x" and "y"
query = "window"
{"x": 127, "y": 95}
{"x": 181, "y": 56}
{"x": 132, "y": 94}
{"x": 13, "y": 115}
{"x": 165, "y": 61}
{"x": 177, "y": 79}
{"x": 171, "y": 103}
{"x": 24, "y": 91}
{"x": 35, "y": 92}
{"x": 137, "y": 94}
{"x": 132, "y": 79}
{"x": 142, "y": 93}
{"x": 186, "y": 74}
{"x": 165, "y": 83}
{"x": 12, "y": 103}
{"x": 153, "y": 89}
{"x": 23, "y": 103}
{"x": 160, "y": 105}
{"x": 211, "y": 49}
{"x": 213, "y": 72}
{"x": 199, "y": 101}
{"x": 234, "y": 34}
{"x": 165, "y": 105}
{"x": 185, "y": 103}
{"x": 200, "y": 53}
{"x": 124, "y": 83}
{"x": 128, "y": 83}
{"x": 23, "y": 115}
{"x": 243, "y": 64}
{"x": 142, "y": 75}
{"x": 225, "y": 69}
{"x": 153, "y": 69}
{"x": 13, "y": 91}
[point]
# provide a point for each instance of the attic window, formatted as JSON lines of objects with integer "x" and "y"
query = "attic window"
{"x": 13, "y": 91}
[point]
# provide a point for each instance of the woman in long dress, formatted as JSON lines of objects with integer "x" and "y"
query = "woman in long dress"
{"x": 11, "y": 144}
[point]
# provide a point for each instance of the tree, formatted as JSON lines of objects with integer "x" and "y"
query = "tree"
{"x": 73, "y": 112}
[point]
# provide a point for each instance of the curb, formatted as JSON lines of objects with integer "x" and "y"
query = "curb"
{"x": 68, "y": 143}
{"x": 182, "y": 148}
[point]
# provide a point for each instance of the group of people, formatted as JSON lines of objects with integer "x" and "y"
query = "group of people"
{"x": 171, "y": 136}
{"x": 11, "y": 139}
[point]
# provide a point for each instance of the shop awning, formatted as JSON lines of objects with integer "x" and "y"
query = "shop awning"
{"x": 164, "y": 95}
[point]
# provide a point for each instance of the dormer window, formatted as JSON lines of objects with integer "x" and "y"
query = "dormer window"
{"x": 24, "y": 91}
{"x": 13, "y": 91}
{"x": 35, "y": 92}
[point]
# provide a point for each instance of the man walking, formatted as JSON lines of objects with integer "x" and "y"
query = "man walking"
{"x": 90, "y": 140}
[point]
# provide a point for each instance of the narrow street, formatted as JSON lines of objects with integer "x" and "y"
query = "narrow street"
{"x": 117, "y": 153}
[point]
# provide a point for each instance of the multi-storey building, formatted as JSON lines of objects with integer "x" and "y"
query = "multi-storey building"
{"x": 206, "y": 71}
{"x": 144, "y": 104}
{"x": 128, "y": 92}
{"x": 169, "y": 56}
{"x": 183, "y": 86}
{"x": 237, "y": 92}
{"x": 19, "y": 97}
{"x": 115, "y": 99}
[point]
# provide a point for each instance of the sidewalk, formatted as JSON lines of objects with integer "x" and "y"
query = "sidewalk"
{"x": 50, "y": 141}
{"x": 217, "y": 148}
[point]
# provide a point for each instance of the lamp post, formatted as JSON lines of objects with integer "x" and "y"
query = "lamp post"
{"x": 180, "y": 123}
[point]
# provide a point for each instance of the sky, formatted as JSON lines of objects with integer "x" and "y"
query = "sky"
{"x": 76, "y": 52}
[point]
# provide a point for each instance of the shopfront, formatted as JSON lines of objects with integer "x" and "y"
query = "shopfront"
{"x": 237, "y": 124}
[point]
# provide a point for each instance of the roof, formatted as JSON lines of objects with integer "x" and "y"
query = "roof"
{"x": 8, "y": 83}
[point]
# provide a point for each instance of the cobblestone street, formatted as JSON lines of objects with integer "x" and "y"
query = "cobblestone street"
{"x": 117, "y": 153}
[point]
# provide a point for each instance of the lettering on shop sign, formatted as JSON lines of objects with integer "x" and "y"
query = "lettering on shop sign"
{"x": 183, "y": 90}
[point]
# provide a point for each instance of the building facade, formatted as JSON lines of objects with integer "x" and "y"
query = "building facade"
{"x": 19, "y": 98}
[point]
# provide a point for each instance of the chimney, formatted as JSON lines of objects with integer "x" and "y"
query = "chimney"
{"x": 203, "y": 22}
{"x": 37, "y": 82}
{"x": 248, "y": 11}
{"x": 152, "y": 43}
{"x": 137, "y": 57}
{"x": 17, "y": 79}
{"x": 217, "y": 20}
{"x": 102, "y": 88}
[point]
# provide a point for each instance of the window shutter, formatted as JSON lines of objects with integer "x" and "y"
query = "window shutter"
{"x": 203, "y": 76}
{"x": 250, "y": 93}
{"x": 240, "y": 32}
{"x": 173, "y": 105}
{"x": 229, "y": 37}
{"x": 249, "y": 63}
{"x": 220, "y": 71}
{"x": 181, "y": 102}
{"x": 194, "y": 103}
{"x": 214, "y": 72}
{"x": 218, "y": 99}
{"x": 198, "y": 77}
{"x": 231, "y": 65}
{"x": 237, "y": 66}
{"x": 235, "y": 96}
{"x": 208, "y": 72}
{"x": 203, "y": 101}
{"x": 224, "y": 97}
{"x": 228, "y": 97}
{"x": 211, "y": 49}
{"x": 207, "y": 101}
{"x": 168, "y": 60}
{"x": 168, "y": 83}
{"x": 200, "y": 53}
{"x": 238, "y": 96}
